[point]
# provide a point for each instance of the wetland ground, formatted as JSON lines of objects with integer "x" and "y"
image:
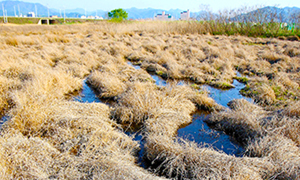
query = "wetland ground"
{"x": 74, "y": 92}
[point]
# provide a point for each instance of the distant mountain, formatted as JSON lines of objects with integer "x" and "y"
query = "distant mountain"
{"x": 18, "y": 7}
{"x": 22, "y": 8}
{"x": 271, "y": 13}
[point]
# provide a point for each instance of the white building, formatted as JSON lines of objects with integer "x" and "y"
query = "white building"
{"x": 31, "y": 14}
{"x": 98, "y": 17}
{"x": 164, "y": 17}
{"x": 83, "y": 17}
{"x": 185, "y": 15}
{"x": 91, "y": 17}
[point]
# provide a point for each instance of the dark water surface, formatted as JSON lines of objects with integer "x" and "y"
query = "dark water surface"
{"x": 137, "y": 136}
{"x": 4, "y": 119}
{"x": 198, "y": 131}
{"x": 201, "y": 133}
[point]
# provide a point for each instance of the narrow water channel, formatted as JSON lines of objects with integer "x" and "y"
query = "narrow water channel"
{"x": 198, "y": 130}
{"x": 223, "y": 97}
{"x": 87, "y": 95}
{"x": 201, "y": 133}
{"x": 158, "y": 80}
{"x": 3, "y": 119}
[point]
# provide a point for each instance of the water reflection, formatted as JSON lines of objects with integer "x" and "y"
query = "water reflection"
{"x": 223, "y": 97}
{"x": 201, "y": 133}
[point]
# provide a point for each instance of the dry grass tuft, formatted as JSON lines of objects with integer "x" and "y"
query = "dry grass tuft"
{"x": 282, "y": 151}
{"x": 293, "y": 109}
{"x": 143, "y": 100}
{"x": 260, "y": 91}
{"x": 200, "y": 98}
{"x": 243, "y": 121}
{"x": 12, "y": 41}
{"x": 57, "y": 39}
{"x": 26, "y": 158}
{"x": 185, "y": 160}
{"x": 283, "y": 126}
{"x": 108, "y": 85}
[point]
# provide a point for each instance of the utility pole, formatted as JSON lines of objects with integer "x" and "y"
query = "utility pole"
{"x": 65, "y": 15}
{"x": 6, "y": 21}
{"x": 19, "y": 11}
{"x": 48, "y": 11}
{"x": 15, "y": 11}
{"x": 85, "y": 12}
{"x": 3, "y": 13}
{"x": 36, "y": 11}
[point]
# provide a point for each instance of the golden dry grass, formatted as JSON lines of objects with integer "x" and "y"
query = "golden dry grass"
{"x": 108, "y": 85}
{"x": 50, "y": 136}
{"x": 282, "y": 152}
{"x": 293, "y": 109}
{"x": 242, "y": 121}
{"x": 144, "y": 100}
{"x": 181, "y": 159}
{"x": 271, "y": 135}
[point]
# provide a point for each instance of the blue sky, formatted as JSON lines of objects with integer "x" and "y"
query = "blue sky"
{"x": 193, "y": 5}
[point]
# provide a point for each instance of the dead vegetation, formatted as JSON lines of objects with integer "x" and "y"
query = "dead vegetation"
{"x": 266, "y": 134}
{"x": 49, "y": 136}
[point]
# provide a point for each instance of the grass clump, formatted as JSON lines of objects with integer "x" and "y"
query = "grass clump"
{"x": 180, "y": 159}
{"x": 266, "y": 134}
{"x": 242, "y": 79}
{"x": 261, "y": 93}
{"x": 142, "y": 100}
{"x": 108, "y": 85}
{"x": 282, "y": 151}
{"x": 293, "y": 109}
{"x": 223, "y": 85}
{"x": 242, "y": 122}
{"x": 12, "y": 41}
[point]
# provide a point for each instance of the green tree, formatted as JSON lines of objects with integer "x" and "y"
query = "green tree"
{"x": 118, "y": 14}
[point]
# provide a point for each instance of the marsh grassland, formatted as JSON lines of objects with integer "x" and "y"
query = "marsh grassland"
{"x": 48, "y": 135}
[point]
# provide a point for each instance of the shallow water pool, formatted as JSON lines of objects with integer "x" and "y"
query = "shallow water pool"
{"x": 87, "y": 95}
{"x": 198, "y": 131}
